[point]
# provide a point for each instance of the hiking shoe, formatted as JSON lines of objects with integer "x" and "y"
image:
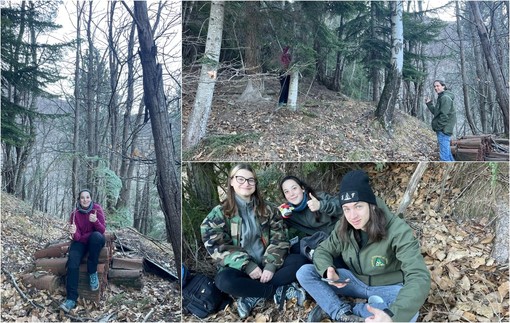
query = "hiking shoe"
{"x": 246, "y": 304}
{"x": 289, "y": 292}
{"x": 68, "y": 305}
{"x": 317, "y": 314}
{"x": 94, "y": 281}
{"x": 349, "y": 317}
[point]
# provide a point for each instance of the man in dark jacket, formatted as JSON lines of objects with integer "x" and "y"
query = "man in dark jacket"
{"x": 444, "y": 119}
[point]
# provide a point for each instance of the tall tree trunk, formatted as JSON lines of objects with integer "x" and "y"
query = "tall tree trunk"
{"x": 293, "y": 89}
{"x": 500, "y": 83}
{"x": 168, "y": 184}
{"x": 465, "y": 89}
{"x": 77, "y": 97}
{"x": 386, "y": 106}
{"x": 113, "y": 104}
{"x": 203, "y": 184}
{"x": 128, "y": 162}
{"x": 197, "y": 124}
{"x": 374, "y": 71}
{"x": 481, "y": 78}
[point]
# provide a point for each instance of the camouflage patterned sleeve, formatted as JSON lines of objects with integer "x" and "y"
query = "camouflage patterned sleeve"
{"x": 278, "y": 246}
{"x": 219, "y": 242}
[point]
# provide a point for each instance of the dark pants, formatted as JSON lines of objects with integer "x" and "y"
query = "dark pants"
{"x": 76, "y": 252}
{"x": 239, "y": 284}
{"x": 284, "y": 89}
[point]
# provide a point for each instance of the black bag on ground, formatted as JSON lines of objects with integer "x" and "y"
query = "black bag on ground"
{"x": 201, "y": 297}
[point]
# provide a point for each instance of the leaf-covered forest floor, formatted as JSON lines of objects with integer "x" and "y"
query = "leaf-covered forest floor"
{"x": 23, "y": 233}
{"x": 450, "y": 214}
{"x": 328, "y": 126}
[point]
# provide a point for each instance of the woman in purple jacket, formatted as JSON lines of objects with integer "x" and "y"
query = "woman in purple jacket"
{"x": 87, "y": 226}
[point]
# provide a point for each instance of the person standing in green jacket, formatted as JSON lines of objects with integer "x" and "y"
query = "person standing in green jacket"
{"x": 444, "y": 119}
{"x": 246, "y": 238}
{"x": 384, "y": 262}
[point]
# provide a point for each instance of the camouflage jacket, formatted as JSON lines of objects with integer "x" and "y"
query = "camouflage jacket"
{"x": 221, "y": 236}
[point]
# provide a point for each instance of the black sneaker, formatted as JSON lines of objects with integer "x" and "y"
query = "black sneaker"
{"x": 349, "y": 317}
{"x": 246, "y": 304}
{"x": 317, "y": 314}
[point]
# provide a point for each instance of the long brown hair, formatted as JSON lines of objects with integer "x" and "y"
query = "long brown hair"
{"x": 375, "y": 227}
{"x": 230, "y": 205}
{"x": 307, "y": 188}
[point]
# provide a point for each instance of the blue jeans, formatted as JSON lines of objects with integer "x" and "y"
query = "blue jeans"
{"x": 327, "y": 296}
{"x": 76, "y": 252}
{"x": 445, "y": 153}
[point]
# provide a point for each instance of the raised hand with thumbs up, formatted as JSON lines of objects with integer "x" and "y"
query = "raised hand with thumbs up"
{"x": 313, "y": 203}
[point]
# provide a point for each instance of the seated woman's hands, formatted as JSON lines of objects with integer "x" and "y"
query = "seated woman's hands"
{"x": 263, "y": 276}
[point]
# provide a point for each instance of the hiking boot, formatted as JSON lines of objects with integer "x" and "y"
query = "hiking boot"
{"x": 246, "y": 304}
{"x": 317, "y": 314}
{"x": 68, "y": 305}
{"x": 289, "y": 292}
{"x": 94, "y": 281}
{"x": 349, "y": 317}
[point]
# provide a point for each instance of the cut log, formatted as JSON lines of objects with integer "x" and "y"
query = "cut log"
{"x": 53, "y": 251}
{"x": 57, "y": 266}
{"x": 127, "y": 263}
{"x": 84, "y": 286}
{"x": 469, "y": 154}
{"x": 44, "y": 281}
{"x": 126, "y": 277}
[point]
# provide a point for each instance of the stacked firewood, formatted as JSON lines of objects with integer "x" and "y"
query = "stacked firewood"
{"x": 480, "y": 148}
{"x": 50, "y": 269}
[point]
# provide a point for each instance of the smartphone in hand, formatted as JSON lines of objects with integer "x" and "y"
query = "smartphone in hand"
{"x": 339, "y": 281}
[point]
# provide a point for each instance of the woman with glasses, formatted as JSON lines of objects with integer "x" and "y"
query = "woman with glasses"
{"x": 246, "y": 238}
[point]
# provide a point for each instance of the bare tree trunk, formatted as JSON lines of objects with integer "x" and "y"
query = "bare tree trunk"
{"x": 129, "y": 146}
{"x": 481, "y": 77}
{"x": 76, "y": 161}
{"x": 168, "y": 184}
{"x": 465, "y": 89}
{"x": 113, "y": 105}
{"x": 388, "y": 101}
{"x": 500, "y": 83}
{"x": 293, "y": 89}
{"x": 411, "y": 187}
{"x": 203, "y": 183}
{"x": 197, "y": 124}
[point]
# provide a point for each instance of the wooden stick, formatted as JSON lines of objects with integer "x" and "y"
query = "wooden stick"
{"x": 411, "y": 187}
{"x": 13, "y": 281}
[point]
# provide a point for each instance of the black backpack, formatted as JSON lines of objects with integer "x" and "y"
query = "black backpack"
{"x": 201, "y": 297}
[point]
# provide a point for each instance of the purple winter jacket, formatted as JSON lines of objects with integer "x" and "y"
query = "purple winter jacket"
{"x": 84, "y": 227}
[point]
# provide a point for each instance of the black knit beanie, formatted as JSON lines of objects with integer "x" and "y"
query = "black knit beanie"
{"x": 355, "y": 187}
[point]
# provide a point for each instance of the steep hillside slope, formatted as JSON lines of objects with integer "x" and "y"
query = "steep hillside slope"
{"x": 327, "y": 127}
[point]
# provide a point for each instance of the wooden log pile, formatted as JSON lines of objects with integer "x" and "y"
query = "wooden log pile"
{"x": 50, "y": 269}
{"x": 480, "y": 148}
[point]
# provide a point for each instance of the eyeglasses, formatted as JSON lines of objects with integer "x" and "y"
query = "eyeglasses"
{"x": 241, "y": 180}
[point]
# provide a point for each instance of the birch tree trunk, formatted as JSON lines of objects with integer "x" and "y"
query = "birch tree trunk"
{"x": 386, "y": 106}
{"x": 167, "y": 182}
{"x": 293, "y": 89}
{"x": 500, "y": 84}
{"x": 197, "y": 124}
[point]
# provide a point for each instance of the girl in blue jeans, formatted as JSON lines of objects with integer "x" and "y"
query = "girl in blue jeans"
{"x": 383, "y": 257}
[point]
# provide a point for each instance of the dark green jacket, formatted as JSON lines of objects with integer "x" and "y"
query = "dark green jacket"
{"x": 444, "y": 113}
{"x": 305, "y": 223}
{"x": 221, "y": 237}
{"x": 396, "y": 259}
